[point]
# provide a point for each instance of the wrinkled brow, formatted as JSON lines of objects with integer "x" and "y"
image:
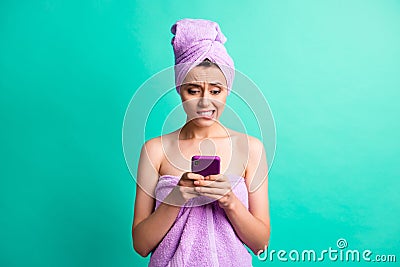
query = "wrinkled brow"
{"x": 199, "y": 85}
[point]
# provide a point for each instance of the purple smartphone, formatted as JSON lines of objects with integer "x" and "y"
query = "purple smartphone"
{"x": 206, "y": 165}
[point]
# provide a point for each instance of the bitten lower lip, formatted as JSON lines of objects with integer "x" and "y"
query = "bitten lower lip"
{"x": 206, "y": 114}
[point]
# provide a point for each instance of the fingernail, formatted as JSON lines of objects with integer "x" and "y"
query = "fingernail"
{"x": 196, "y": 182}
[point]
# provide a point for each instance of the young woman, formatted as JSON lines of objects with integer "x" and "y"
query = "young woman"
{"x": 186, "y": 219}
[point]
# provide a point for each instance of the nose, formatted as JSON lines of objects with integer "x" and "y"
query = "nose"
{"x": 204, "y": 100}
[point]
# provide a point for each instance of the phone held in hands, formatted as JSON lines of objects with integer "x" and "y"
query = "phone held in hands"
{"x": 206, "y": 165}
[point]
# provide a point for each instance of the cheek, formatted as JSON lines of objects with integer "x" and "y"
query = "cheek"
{"x": 220, "y": 104}
{"x": 220, "y": 109}
{"x": 189, "y": 106}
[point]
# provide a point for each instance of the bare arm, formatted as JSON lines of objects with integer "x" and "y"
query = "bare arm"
{"x": 149, "y": 227}
{"x": 253, "y": 225}
{"x": 148, "y": 232}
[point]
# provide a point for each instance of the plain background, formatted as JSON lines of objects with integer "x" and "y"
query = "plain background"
{"x": 68, "y": 69}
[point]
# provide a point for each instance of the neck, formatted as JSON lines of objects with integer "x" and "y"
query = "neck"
{"x": 191, "y": 131}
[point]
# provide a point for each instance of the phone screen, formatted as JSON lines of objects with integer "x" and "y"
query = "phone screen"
{"x": 206, "y": 165}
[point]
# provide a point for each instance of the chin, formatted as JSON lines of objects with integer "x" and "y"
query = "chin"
{"x": 203, "y": 122}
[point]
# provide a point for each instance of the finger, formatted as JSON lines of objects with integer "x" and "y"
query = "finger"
{"x": 216, "y": 177}
{"x": 216, "y": 197}
{"x": 214, "y": 191}
{"x": 214, "y": 184}
{"x": 185, "y": 183}
{"x": 211, "y": 196}
{"x": 194, "y": 176}
{"x": 188, "y": 190}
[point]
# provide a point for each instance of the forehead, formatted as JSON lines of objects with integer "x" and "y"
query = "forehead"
{"x": 210, "y": 74}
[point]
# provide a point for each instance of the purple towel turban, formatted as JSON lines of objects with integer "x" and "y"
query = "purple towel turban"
{"x": 196, "y": 40}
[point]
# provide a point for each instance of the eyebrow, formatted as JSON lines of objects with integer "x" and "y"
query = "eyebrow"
{"x": 192, "y": 84}
{"x": 216, "y": 83}
{"x": 198, "y": 85}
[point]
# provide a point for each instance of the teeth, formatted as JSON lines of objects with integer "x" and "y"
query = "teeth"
{"x": 206, "y": 113}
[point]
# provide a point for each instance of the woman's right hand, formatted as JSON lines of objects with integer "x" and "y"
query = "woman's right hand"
{"x": 184, "y": 190}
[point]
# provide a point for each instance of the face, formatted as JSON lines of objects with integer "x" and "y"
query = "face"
{"x": 203, "y": 93}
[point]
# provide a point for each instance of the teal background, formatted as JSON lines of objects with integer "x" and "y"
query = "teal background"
{"x": 68, "y": 69}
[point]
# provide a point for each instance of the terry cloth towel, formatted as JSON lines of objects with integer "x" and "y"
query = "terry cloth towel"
{"x": 201, "y": 235}
{"x": 195, "y": 40}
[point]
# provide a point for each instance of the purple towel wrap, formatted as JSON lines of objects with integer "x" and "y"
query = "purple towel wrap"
{"x": 201, "y": 235}
{"x": 195, "y": 40}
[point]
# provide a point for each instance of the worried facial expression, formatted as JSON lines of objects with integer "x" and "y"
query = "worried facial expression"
{"x": 203, "y": 93}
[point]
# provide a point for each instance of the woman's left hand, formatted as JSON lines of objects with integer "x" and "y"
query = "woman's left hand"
{"x": 217, "y": 187}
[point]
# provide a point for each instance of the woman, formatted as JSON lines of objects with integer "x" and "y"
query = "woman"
{"x": 183, "y": 218}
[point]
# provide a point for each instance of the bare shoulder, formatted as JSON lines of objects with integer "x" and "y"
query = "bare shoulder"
{"x": 257, "y": 168}
{"x": 152, "y": 145}
{"x": 152, "y": 148}
{"x": 257, "y": 154}
{"x": 247, "y": 142}
{"x": 255, "y": 144}
{"x": 233, "y": 133}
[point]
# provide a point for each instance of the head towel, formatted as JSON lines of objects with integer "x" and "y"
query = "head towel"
{"x": 195, "y": 40}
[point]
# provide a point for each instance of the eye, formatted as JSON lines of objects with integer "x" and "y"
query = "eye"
{"x": 215, "y": 91}
{"x": 193, "y": 91}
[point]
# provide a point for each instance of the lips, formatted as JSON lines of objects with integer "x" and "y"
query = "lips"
{"x": 206, "y": 113}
